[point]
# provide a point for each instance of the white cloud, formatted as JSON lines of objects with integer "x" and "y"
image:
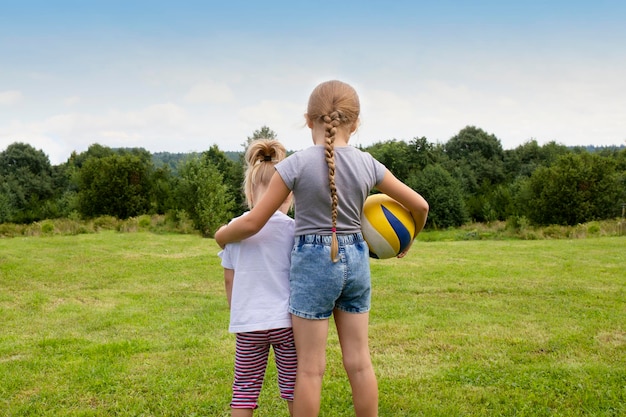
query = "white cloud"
{"x": 71, "y": 101}
{"x": 61, "y": 134}
{"x": 516, "y": 105}
{"x": 268, "y": 112}
{"x": 10, "y": 97}
{"x": 384, "y": 114}
{"x": 283, "y": 117}
{"x": 209, "y": 92}
{"x": 57, "y": 150}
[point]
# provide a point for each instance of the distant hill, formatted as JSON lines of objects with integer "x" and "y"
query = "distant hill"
{"x": 173, "y": 160}
{"x": 593, "y": 148}
{"x": 234, "y": 156}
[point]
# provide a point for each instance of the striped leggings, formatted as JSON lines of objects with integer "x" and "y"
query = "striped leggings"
{"x": 251, "y": 355}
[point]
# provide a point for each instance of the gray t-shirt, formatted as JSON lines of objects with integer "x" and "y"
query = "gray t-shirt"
{"x": 306, "y": 174}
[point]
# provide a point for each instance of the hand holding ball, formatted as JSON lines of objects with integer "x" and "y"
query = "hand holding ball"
{"x": 387, "y": 226}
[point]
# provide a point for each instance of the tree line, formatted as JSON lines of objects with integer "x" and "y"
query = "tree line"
{"x": 469, "y": 178}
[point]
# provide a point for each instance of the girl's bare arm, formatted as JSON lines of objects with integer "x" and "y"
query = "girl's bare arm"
{"x": 254, "y": 221}
{"x": 409, "y": 198}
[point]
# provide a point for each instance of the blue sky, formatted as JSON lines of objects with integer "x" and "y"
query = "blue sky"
{"x": 182, "y": 76}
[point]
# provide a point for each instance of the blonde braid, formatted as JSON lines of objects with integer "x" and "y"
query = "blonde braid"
{"x": 336, "y": 105}
{"x": 331, "y": 122}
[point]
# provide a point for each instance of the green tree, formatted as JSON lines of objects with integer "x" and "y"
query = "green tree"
{"x": 620, "y": 158}
{"x": 476, "y": 159}
{"x": 162, "y": 198}
{"x": 203, "y": 195}
{"x": 426, "y": 153}
{"x": 526, "y": 158}
{"x": 116, "y": 185}
{"x": 64, "y": 202}
{"x": 479, "y": 156}
{"x": 7, "y": 206}
{"x": 171, "y": 161}
{"x": 397, "y": 156}
{"x": 232, "y": 175}
{"x": 443, "y": 194}
{"x": 578, "y": 188}
{"x": 26, "y": 183}
{"x": 263, "y": 133}
{"x": 491, "y": 203}
{"x": 94, "y": 151}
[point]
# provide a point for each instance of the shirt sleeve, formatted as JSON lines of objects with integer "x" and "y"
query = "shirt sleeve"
{"x": 225, "y": 254}
{"x": 380, "y": 170}
{"x": 287, "y": 169}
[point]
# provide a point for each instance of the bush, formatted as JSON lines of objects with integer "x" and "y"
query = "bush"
{"x": 47, "y": 227}
{"x": 517, "y": 223}
{"x": 105, "y": 223}
{"x": 593, "y": 228}
{"x": 145, "y": 222}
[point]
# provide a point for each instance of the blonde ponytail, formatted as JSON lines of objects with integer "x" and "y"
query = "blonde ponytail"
{"x": 260, "y": 157}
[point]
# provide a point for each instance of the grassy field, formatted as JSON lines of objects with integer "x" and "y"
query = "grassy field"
{"x": 135, "y": 324}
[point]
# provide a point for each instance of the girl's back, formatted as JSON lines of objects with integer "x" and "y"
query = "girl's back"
{"x": 306, "y": 174}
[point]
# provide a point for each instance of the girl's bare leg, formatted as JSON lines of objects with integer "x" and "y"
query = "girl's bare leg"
{"x": 310, "y": 337}
{"x": 352, "y": 330}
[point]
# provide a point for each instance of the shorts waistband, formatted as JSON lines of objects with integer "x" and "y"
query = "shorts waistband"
{"x": 348, "y": 239}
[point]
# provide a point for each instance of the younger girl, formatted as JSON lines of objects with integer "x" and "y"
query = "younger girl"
{"x": 256, "y": 275}
{"x": 330, "y": 272}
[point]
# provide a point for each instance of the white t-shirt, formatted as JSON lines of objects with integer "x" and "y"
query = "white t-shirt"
{"x": 260, "y": 296}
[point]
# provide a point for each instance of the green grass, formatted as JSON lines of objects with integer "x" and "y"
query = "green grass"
{"x": 135, "y": 324}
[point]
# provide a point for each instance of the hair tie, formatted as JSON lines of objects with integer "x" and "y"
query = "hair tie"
{"x": 267, "y": 158}
{"x": 333, "y": 229}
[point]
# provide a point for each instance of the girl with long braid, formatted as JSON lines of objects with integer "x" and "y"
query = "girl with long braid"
{"x": 330, "y": 273}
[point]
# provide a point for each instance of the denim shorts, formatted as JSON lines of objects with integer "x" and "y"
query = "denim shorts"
{"x": 318, "y": 285}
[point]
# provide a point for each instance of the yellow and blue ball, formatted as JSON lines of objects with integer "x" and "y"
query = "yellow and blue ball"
{"x": 387, "y": 226}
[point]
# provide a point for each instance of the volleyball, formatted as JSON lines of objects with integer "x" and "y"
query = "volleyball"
{"x": 387, "y": 226}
